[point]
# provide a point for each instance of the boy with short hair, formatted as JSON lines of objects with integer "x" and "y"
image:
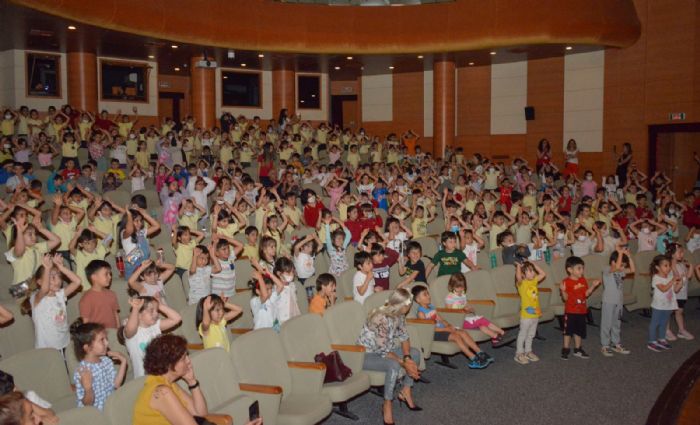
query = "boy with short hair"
{"x": 363, "y": 281}
{"x": 99, "y": 303}
{"x": 449, "y": 259}
{"x": 575, "y": 292}
{"x": 325, "y": 294}
{"x": 621, "y": 264}
{"x": 382, "y": 260}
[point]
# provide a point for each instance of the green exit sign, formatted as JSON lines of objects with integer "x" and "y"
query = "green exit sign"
{"x": 676, "y": 116}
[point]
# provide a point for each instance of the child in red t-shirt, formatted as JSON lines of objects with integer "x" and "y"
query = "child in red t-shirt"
{"x": 506, "y": 190}
{"x": 575, "y": 292}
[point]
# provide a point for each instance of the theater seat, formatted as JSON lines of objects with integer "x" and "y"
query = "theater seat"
{"x": 43, "y": 371}
{"x": 438, "y": 292}
{"x": 244, "y": 322}
{"x": 82, "y": 416}
{"x": 259, "y": 358}
{"x": 306, "y": 336}
{"x": 595, "y": 264}
{"x": 18, "y": 335}
{"x": 119, "y": 406}
{"x": 558, "y": 268}
{"x": 506, "y": 313}
{"x": 642, "y": 280}
{"x": 546, "y": 291}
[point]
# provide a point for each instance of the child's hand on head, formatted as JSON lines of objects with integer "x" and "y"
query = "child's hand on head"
{"x": 136, "y": 303}
{"x": 57, "y": 260}
{"x": 46, "y": 261}
{"x": 207, "y": 303}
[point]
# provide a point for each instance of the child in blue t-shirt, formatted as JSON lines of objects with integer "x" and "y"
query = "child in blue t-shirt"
{"x": 380, "y": 194}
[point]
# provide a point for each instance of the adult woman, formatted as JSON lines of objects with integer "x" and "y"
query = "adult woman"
{"x": 544, "y": 154}
{"x": 162, "y": 401}
{"x": 623, "y": 163}
{"x": 388, "y": 349}
{"x": 15, "y": 409}
{"x": 266, "y": 167}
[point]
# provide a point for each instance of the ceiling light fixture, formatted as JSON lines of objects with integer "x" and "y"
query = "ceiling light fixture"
{"x": 391, "y": 67}
{"x": 471, "y": 63}
{"x": 177, "y": 69}
{"x": 72, "y": 27}
{"x": 151, "y": 57}
{"x": 349, "y": 58}
{"x": 336, "y": 68}
{"x": 420, "y": 56}
{"x": 493, "y": 53}
{"x": 243, "y": 65}
{"x": 569, "y": 47}
{"x": 225, "y": 77}
{"x": 174, "y": 46}
{"x": 261, "y": 55}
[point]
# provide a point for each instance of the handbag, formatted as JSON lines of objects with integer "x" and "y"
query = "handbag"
{"x": 336, "y": 370}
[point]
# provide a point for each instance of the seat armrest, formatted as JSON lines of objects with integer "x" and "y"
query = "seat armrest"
{"x": 355, "y": 348}
{"x": 219, "y": 419}
{"x": 420, "y": 322}
{"x": 269, "y": 397}
{"x": 307, "y": 377}
{"x": 481, "y": 302}
{"x": 261, "y": 389}
{"x": 507, "y": 295}
{"x": 195, "y": 347}
{"x": 353, "y": 355}
{"x": 240, "y": 331}
{"x": 545, "y": 289}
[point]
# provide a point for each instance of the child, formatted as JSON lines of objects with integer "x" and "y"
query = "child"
{"x": 223, "y": 283}
{"x": 621, "y": 264}
{"x": 336, "y": 244}
{"x": 449, "y": 258}
{"x": 143, "y": 325}
{"x": 665, "y": 285}
{"x": 457, "y": 299}
{"x": 363, "y": 281}
{"x": 95, "y": 378}
{"x": 250, "y": 248}
{"x": 325, "y": 294}
{"x": 213, "y": 313}
{"x": 512, "y": 253}
{"x": 99, "y": 303}
{"x": 575, "y": 291}
{"x": 446, "y": 332}
{"x": 149, "y": 281}
{"x": 204, "y": 263}
{"x": 528, "y": 276}
{"x": 47, "y": 305}
{"x": 184, "y": 248}
{"x": 412, "y": 263}
{"x": 684, "y": 271}
{"x": 471, "y": 245}
{"x": 133, "y": 235}
{"x": 25, "y": 250}
{"x": 382, "y": 260}
{"x": 262, "y": 303}
{"x": 304, "y": 255}
{"x": 286, "y": 295}
{"x": 64, "y": 222}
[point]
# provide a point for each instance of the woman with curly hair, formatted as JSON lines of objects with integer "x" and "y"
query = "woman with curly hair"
{"x": 162, "y": 401}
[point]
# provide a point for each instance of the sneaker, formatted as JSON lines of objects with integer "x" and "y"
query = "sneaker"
{"x": 606, "y": 351}
{"x": 670, "y": 336}
{"x": 532, "y": 357}
{"x": 485, "y": 357}
{"x": 497, "y": 341}
{"x": 663, "y": 344}
{"x": 654, "y": 347}
{"x": 521, "y": 358}
{"x": 477, "y": 363}
{"x": 565, "y": 353}
{"x": 619, "y": 349}
{"x": 685, "y": 335}
{"x": 578, "y": 352}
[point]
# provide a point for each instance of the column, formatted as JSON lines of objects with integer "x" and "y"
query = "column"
{"x": 203, "y": 94}
{"x": 283, "y": 88}
{"x": 82, "y": 80}
{"x": 443, "y": 105}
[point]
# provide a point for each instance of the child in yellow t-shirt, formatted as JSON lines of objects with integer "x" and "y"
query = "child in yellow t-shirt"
{"x": 212, "y": 315}
{"x": 528, "y": 276}
{"x": 184, "y": 244}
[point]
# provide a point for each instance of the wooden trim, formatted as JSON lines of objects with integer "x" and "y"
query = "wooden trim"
{"x": 353, "y": 348}
{"x": 670, "y": 405}
{"x": 240, "y": 331}
{"x": 320, "y": 90}
{"x": 420, "y": 321}
{"x": 240, "y": 290}
{"x": 242, "y": 71}
{"x": 58, "y": 74}
{"x": 195, "y": 346}
{"x": 449, "y": 310}
{"x": 349, "y": 298}
{"x": 262, "y": 389}
{"x": 306, "y": 365}
{"x": 146, "y": 74}
{"x": 481, "y": 302}
{"x": 218, "y": 419}
{"x": 545, "y": 289}
{"x": 507, "y": 295}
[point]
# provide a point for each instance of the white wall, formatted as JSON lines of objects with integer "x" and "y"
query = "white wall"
{"x": 508, "y": 98}
{"x": 584, "y": 75}
{"x": 149, "y": 108}
{"x": 13, "y": 82}
{"x": 321, "y": 114}
{"x": 264, "y": 112}
{"x": 377, "y": 97}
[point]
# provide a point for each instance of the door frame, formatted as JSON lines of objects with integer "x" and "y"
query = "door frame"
{"x": 656, "y": 129}
{"x": 175, "y": 97}
{"x": 337, "y": 106}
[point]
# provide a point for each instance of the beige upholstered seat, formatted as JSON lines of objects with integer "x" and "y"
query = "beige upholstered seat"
{"x": 306, "y": 336}
{"x": 438, "y": 292}
{"x": 595, "y": 264}
{"x": 642, "y": 280}
{"x": 259, "y": 358}
{"x": 175, "y": 295}
{"x": 187, "y": 328}
{"x": 244, "y": 322}
{"x": 114, "y": 345}
{"x": 546, "y": 290}
{"x": 43, "y": 371}
{"x": 558, "y": 268}
{"x": 506, "y": 314}
{"x": 428, "y": 245}
{"x": 82, "y": 416}
{"x": 119, "y": 407}
{"x": 18, "y": 335}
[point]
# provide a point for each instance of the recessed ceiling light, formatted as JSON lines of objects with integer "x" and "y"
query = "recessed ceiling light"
{"x": 349, "y": 58}
{"x": 391, "y": 67}
{"x": 471, "y": 63}
{"x": 493, "y": 53}
{"x": 177, "y": 69}
{"x": 243, "y": 65}
{"x": 71, "y": 27}
{"x": 569, "y": 47}
{"x": 336, "y": 68}
{"x": 362, "y": 68}
{"x": 225, "y": 77}
{"x": 420, "y": 56}
{"x": 301, "y": 101}
{"x": 261, "y": 55}
{"x": 313, "y": 95}
{"x": 174, "y": 46}
{"x": 151, "y": 57}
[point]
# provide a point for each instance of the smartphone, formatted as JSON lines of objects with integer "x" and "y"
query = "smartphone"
{"x": 254, "y": 411}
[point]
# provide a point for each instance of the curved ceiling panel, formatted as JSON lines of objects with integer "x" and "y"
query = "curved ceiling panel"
{"x": 266, "y": 25}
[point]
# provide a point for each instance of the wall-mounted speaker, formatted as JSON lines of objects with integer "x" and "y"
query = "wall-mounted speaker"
{"x": 529, "y": 113}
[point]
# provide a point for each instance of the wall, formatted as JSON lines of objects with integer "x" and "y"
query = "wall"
{"x": 13, "y": 84}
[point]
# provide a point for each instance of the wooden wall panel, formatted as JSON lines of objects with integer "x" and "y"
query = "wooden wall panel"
{"x": 82, "y": 80}
{"x": 545, "y": 82}
{"x": 474, "y": 101}
{"x": 177, "y": 84}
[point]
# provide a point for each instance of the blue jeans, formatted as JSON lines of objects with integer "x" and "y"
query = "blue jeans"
{"x": 391, "y": 369}
{"x": 657, "y": 327}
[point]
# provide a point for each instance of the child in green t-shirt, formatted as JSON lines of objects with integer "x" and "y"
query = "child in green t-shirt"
{"x": 449, "y": 259}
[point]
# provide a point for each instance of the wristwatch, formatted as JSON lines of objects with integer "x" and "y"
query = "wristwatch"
{"x": 407, "y": 357}
{"x": 191, "y": 387}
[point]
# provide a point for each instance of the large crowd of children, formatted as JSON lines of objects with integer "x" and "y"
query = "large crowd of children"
{"x": 282, "y": 194}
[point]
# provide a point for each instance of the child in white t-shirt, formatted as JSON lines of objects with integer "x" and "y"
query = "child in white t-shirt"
{"x": 665, "y": 285}
{"x": 363, "y": 281}
{"x": 263, "y": 303}
{"x": 471, "y": 245}
{"x": 304, "y": 256}
{"x": 204, "y": 264}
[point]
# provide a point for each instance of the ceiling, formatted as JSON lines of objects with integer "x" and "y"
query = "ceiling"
{"x": 30, "y": 29}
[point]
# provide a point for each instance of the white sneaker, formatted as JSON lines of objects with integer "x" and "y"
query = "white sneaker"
{"x": 670, "y": 336}
{"x": 521, "y": 358}
{"x": 606, "y": 351}
{"x": 685, "y": 335}
{"x": 532, "y": 357}
{"x": 619, "y": 349}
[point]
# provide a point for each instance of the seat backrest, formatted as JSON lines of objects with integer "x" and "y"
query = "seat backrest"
{"x": 82, "y": 416}
{"x": 302, "y": 300}
{"x": 428, "y": 245}
{"x": 187, "y": 327}
{"x": 41, "y": 370}
{"x": 119, "y": 406}
{"x": 438, "y": 290}
{"x": 72, "y": 309}
{"x": 558, "y": 268}
{"x": 305, "y": 336}
{"x": 376, "y": 300}
{"x": 480, "y": 287}
{"x": 346, "y": 281}
{"x": 259, "y": 358}
{"x": 215, "y": 371}
{"x": 120, "y": 288}
{"x": 245, "y": 320}
{"x": 18, "y": 335}
{"x": 175, "y": 296}
{"x": 503, "y": 280}
{"x": 244, "y": 272}
{"x": 344, "y": 322}
{"x": 548, "y": 283}
{"x": 595, "y": 264}
{"x": 642, "y": 261}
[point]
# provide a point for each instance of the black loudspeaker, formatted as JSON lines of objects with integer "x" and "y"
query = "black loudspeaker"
{"x": 529, "y": 113}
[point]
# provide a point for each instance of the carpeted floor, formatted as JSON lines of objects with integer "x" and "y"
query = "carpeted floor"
{"x": 600, "y": 390}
